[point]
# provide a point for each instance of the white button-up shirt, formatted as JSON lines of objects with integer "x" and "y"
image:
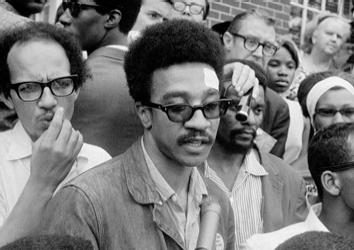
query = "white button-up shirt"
{"x": 15, "y": 159}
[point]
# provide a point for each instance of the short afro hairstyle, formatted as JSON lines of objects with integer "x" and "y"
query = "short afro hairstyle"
{"x": 329, "y": 147}
{"x": 37, "y": 31}
{"x": 129, "y": 9}
{"x": 316, "y": 240}
{"x": 166, "y": 44}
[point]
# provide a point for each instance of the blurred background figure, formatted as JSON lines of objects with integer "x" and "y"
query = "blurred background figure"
{"x": 151, "y": 12}
{"x": 193, "y": 10}
{"x": 281, "y": 71}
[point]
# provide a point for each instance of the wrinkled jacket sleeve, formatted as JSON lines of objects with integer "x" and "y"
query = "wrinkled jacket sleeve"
{"x": 302, "y": 210}
{"x": 71, "y": 212}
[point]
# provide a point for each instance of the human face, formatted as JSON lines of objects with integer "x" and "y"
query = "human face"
{"x": 28, "y": 7}
{"x": 186, "y": 13}
{"x": 337, "y": 99}
{"x": 250, "y": 27}
{"x": 152, "y": 12}
{"x": 329, "y": 36}
{"x": 188, "y": 143}
{"x": 281, "y": 70}
{"x": 38, "y": 61}
{"x": 236, "y": 136}
{"x": 88, "y": 26}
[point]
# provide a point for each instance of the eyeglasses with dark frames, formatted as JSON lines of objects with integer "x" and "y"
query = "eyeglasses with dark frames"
{"x": 338, "y": 167}
{"x": 329, "y": 112}
{"x": 194, "y": 8}
{"x": 75, "y": 7}
{"x": 252, "y": 44}
{"x": 31, "y": 91}
{"x": 184, "y": 112}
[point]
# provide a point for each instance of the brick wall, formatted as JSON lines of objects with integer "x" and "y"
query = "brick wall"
{"x": 222, "y": 10}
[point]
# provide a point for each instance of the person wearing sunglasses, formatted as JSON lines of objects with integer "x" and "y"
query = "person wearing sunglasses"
{"x": 104, "y": 105}
{"x": 149, "y": 197}
{"x": 331, "y": 163}
{"x": 42, "y": 71}
{"x": 251, "y": 36}
{"x": 193, "y": 10}
{"x": 247, "y": 174}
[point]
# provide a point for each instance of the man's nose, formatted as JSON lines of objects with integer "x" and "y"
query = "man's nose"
{"x": 198, "y": 121}
{"x": 47, "y": 100}
{"x": 65, "y": 18}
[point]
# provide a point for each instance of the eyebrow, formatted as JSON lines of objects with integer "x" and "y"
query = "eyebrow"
{"x": 185, "y": 95}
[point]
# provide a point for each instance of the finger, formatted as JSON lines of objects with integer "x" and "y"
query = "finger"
{"x": 64, "y": 135}
{"x": 256, "y": 86}
{"x": 79, "y": 143}
{"x": 243, "y": 77}
{"x": 55, "y": 125}
{"x": 236, "y": 71}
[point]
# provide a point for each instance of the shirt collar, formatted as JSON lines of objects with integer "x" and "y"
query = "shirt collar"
{"x": 196, "y": 185}
{"x": 21, "y": 145}
{"x": 252, "y": 165}
{"x": 312, "y": 219}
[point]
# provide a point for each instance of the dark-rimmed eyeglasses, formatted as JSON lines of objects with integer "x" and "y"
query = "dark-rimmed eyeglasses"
{"x": 31, "y": 91}
{"x": 329, "y": 112}
{"x": 194, "y": 8}
{"x": 75, "y": 7}
{"x": 252, "y": 44}
{"x": 184, "y": 112}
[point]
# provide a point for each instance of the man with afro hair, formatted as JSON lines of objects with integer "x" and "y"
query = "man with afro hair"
{"x": 149, "y": 197}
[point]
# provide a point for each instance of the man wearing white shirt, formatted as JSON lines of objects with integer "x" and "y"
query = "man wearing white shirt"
{"x": 42, "y": 71}
{"x": 331, "y": 162}
{"x": 104, "y": 112}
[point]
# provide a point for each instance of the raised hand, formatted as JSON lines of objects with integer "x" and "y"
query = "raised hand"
{"x": 54, "y": 153}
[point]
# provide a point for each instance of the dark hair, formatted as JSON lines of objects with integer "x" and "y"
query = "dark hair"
{"x": 311, "y": 80}
{"x": 292, "y": 49}
{"x": 129, "y": 9}
{"x": 316, "y": 240}
{"x": 258, "y": 70}
{"x": 166, "y": 44}
{"x": 328, "y": 147}
{"x": 53, "y": 242}
{"x": 236, "y": 23}
{"x": 37, "y": 31}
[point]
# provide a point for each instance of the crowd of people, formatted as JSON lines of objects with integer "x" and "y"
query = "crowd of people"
{"x": 130, "y": 124}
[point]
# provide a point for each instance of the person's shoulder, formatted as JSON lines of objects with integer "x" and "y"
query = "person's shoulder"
{"x": 278, "y": 166}
{"x": 271, "y": 240}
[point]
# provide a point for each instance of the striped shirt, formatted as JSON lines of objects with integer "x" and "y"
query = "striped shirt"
{"x": 245, "y": 197}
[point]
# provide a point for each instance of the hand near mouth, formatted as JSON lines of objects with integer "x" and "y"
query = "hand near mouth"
{"x": 54, "y": 153}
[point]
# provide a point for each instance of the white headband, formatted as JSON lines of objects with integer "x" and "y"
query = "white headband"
{"x": 322, "y": 87}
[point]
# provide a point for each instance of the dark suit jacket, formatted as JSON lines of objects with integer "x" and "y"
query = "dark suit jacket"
{"x": 284, "y": 193}
{"x": 104, "y": 111}
{"x": 276, "y": 121}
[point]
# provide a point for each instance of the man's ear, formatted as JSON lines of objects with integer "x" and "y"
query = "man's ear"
{"x": 113, "y": 19}
{"x": 144, "y": 114}
{"x": 228, "y": 40}
{"x": 7, "y": 100}
{"x": 331, "y": 183}
{"x": 76, "y": 93}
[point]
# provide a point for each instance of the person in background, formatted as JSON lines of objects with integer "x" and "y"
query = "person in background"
{"x": 330, "y": 157}
{"x": 251, "y": 36}
{"x": 14, "y": 13}
{"x": 151, "y": 12}
{"x": 104, "y": 112}
{"x": 193, "y": 10}
{"x": 265, "y": 193}
{"x": 281, "y": 71}
{"x": 43, "y": 71}
{"x": 327, "y": 98}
